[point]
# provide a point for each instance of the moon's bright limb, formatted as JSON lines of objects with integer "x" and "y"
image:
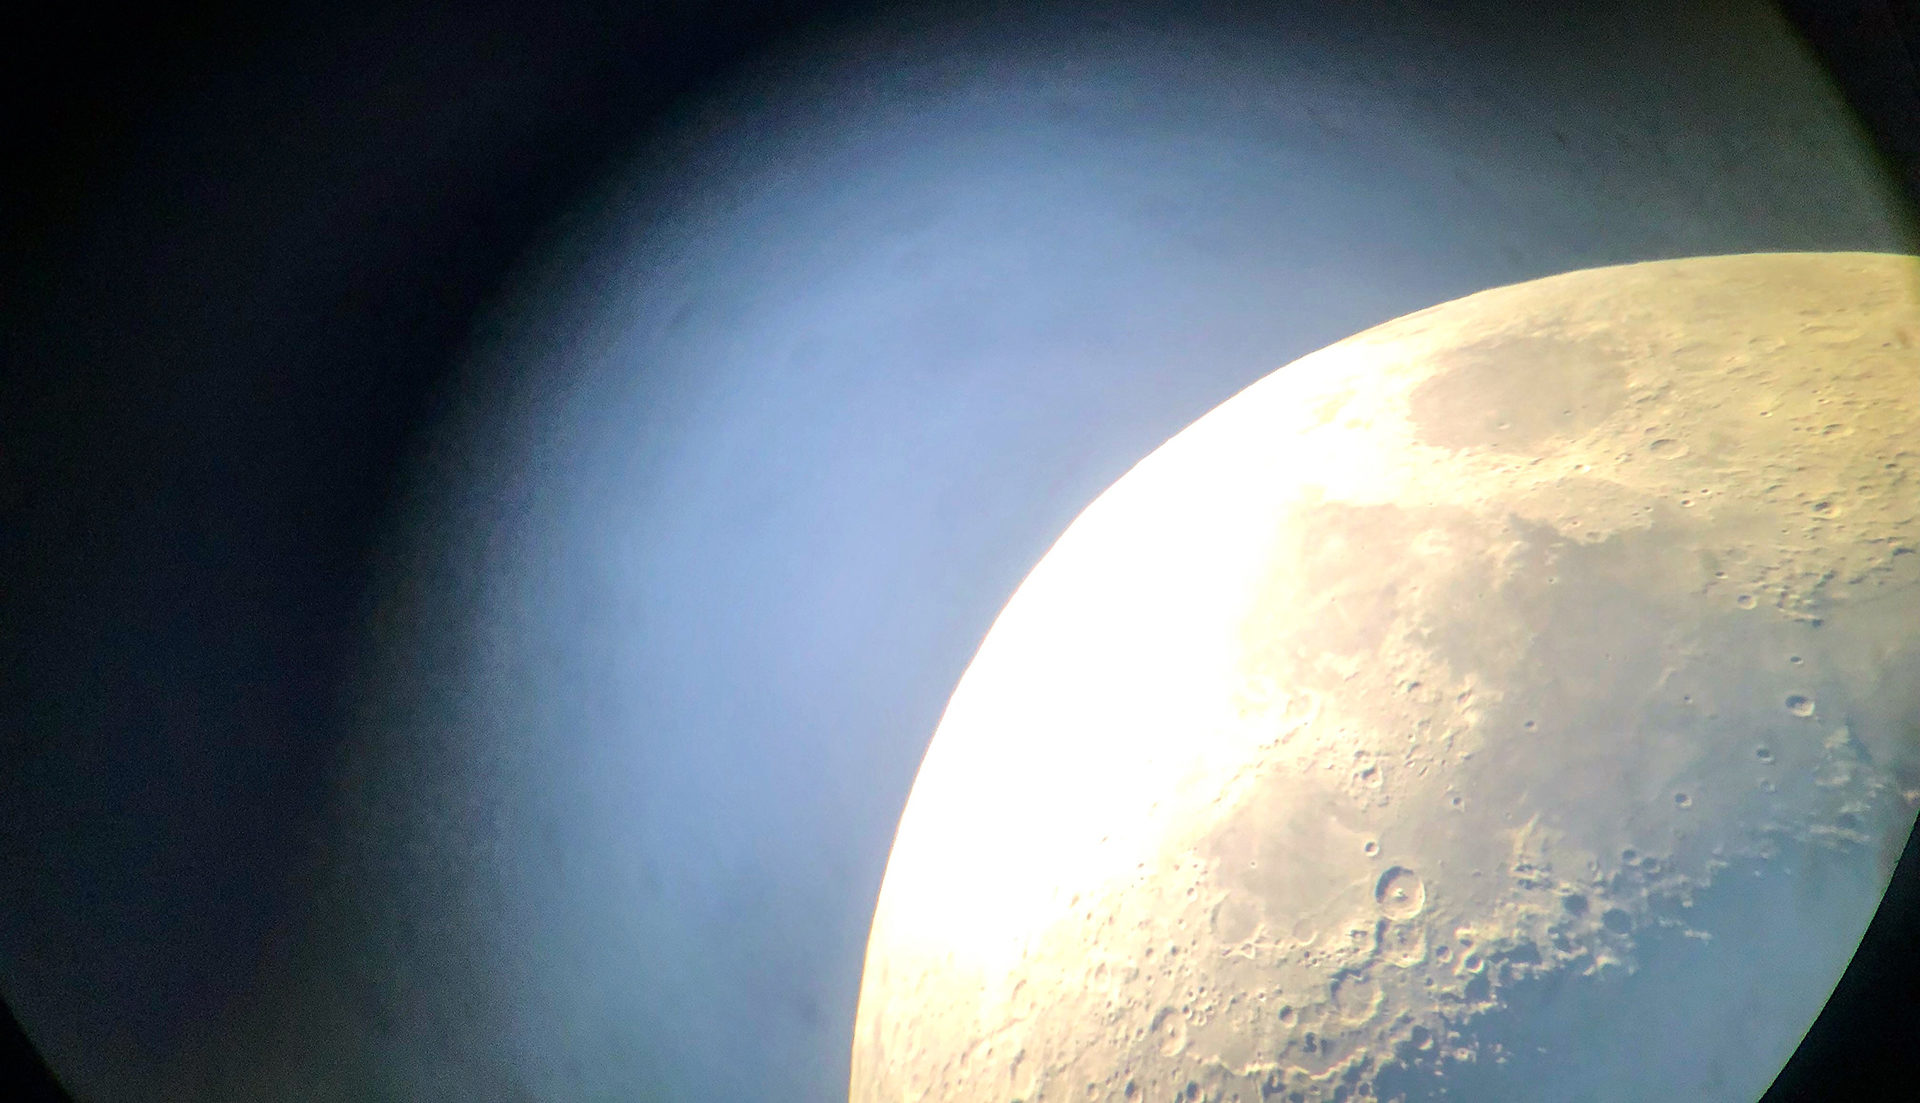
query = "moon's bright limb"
{"x": 1523, "y": 693}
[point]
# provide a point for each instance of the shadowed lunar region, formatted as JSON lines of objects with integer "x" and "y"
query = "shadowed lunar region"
{"x": 1514, "y": 701}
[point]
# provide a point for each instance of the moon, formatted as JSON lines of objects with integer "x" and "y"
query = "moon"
{"x": 1521, "y": 697}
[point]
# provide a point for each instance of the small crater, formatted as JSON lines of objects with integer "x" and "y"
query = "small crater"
{"x": 1682, "y": 800}
{"x": 1616, "y": 920}
{"x": 1667, "y": 448}
{"x": 1800, "y": 704}
{"x": 1457, "y": 802}
{"x": 1795, "y": 659}
{"x": 1400, "y": 893}
{"x": 1286, "y": 1015}
{"x": 1531, "y": 725}
{"x": 1744, "y": 601}
{"x": 1371, "y": 848}
{"x": 1764, "y": 754}
{"x": 1574, "y": 903}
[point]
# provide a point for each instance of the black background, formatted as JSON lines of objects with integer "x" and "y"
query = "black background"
{"x": 338, "y": 193}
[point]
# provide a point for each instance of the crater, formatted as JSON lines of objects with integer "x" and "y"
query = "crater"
{"x": 1667, "y": 448}
{"x": 1403, "y": 944}
{"x": 1169, "y": 1029}
{"x": 1400, "y": 893}
{"x": 1235, "y": 919}
{"x": 1354, "y": 996}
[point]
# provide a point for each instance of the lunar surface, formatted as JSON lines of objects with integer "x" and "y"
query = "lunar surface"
{"x": 1518, "y": 700}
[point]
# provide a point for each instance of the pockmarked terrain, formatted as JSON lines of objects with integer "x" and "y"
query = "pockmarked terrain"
{"x": 1523, "y": 693}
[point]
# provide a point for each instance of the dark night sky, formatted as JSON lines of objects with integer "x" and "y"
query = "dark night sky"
{"x": 245, "y": 253}
{"x": 244, "y": 247}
